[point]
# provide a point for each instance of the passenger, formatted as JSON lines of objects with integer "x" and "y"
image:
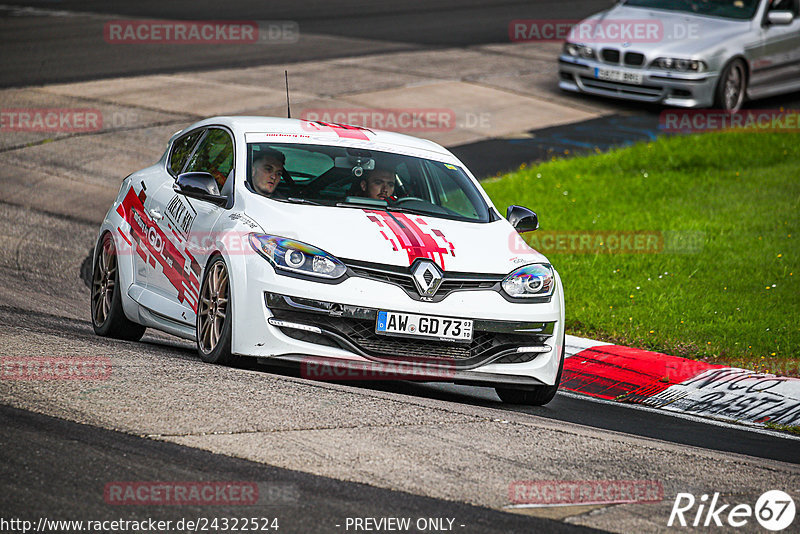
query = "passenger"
{"x": 379, "y": 184}
{"x": 267, "y": 170}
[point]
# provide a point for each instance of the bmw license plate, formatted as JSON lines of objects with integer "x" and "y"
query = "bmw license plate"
{"x": 423, "y": 326}
{"x": 614, "y": 75}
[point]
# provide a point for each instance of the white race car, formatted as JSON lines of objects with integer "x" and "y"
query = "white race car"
{"x": 327, "y": 244}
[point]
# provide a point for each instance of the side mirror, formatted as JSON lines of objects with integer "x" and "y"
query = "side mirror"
{"x": 199, "y": 185}
{"x": 522, "y": 219}
{"x": 780, "y": 17}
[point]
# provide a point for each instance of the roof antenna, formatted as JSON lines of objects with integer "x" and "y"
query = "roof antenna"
{"x": 288, "y": 109}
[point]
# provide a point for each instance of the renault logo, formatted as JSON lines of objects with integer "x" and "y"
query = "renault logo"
{"x": 427, "y": 277}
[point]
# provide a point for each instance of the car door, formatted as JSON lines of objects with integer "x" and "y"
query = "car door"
{"x": 186, "y": 225}
{"x": 778, "y": 62}
{"x": 141, "y": 211}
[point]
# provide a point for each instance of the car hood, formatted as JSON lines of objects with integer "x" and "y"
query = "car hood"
{"x": 394, "y": 238}
{"x": 680, "y": 33}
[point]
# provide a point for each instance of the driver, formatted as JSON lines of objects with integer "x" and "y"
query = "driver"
{"x": 379, "y": 184}
{"x": 267, "y": 170}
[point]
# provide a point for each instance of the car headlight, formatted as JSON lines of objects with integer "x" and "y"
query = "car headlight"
{"x": 577, "y": 50}
{"x": 679, "y": 64}
{"x": 536, "y": 280}
{"x": 295, "y": 256}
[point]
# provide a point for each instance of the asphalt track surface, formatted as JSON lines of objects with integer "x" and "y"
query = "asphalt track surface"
{"x": 71, "y": 46}
{"x": 40, "y": 483}
{"x": 56, "y": 468}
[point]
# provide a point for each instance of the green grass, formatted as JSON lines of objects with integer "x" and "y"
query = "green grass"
{"x": 791, "y": 429}
{"x": 726, "y": 286}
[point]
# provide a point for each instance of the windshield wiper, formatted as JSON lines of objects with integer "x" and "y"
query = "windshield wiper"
{"x": 295, "y": 200}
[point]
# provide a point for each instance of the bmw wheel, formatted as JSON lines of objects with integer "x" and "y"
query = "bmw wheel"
{"x": 108, "y": 318}
{"x": 732, "y": 87}
{"x": 214, "y": 314}
{"x": 538, "y": 396}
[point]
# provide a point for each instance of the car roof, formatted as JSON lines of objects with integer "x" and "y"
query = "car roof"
{"x": 295, "y": 130}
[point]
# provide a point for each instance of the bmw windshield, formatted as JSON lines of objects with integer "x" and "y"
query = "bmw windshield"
{"x": 358, "y": 178}
{"x": 729, "y": 9}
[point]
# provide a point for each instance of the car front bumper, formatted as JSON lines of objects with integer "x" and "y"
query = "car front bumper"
{"x": 685, "y": 90}
{"x": 284, "y": 318}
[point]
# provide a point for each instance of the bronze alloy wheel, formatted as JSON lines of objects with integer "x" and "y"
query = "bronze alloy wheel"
{"x": 214, "y": 314}
{"x": 104, "y": 281}
{"x": 213, "y": 307}
{"x": 108, "y": 317}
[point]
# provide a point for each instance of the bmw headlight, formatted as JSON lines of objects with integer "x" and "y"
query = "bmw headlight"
{"x": 679, "y": 64}
{"x": 577, "y": 50}
{"x": 536, "y": 280}
{"x": 295, "y": 256}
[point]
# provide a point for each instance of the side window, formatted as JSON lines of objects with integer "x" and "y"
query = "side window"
{"x": 214, "y": 156}
{"x": 784, "y": 5}
{"x": 181, "y": 150}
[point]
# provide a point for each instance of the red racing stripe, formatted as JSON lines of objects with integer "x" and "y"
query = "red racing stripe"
{"x": 414, "y": 241}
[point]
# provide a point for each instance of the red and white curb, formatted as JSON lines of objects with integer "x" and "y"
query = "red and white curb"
{"x": 623, "y": 374}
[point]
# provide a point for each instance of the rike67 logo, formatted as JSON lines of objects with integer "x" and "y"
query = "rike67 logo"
{"x": 774, "y": 510}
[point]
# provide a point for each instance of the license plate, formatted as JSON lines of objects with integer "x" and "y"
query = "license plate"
{"x": 614, "y": 75}
{"x": 423, "y": 326}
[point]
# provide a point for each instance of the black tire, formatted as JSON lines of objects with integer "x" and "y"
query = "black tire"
{"x": 537, "y": 396}
{"x": 731, "y": 87}
{"x": 108, "y": 318}
{"x": 213, "y": 325}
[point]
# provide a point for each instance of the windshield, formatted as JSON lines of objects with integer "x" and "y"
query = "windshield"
{"x": 729, "y": 9}
{"x": 358, "y": 178}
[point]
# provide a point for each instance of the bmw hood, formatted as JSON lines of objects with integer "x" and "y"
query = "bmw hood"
{"x": 657, "y": 32}
{"x": 395, "y": 238}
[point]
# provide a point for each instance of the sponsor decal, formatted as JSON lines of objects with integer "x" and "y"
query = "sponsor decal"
{"x": 245, "y": 220}
{"x": 411, "y": 238}
{"x": 346, "y": 131}
{"x": 155, "y": 248}
{"x": 181, "y": 214}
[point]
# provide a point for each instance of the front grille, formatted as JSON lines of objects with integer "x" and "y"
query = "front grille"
{"x": 610, "y": 55}
{"x": 353, "y": 329}
{"x": 634, "y": 59}
{"x": 401, "y": 276}
{"x": 620, "y": 88}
